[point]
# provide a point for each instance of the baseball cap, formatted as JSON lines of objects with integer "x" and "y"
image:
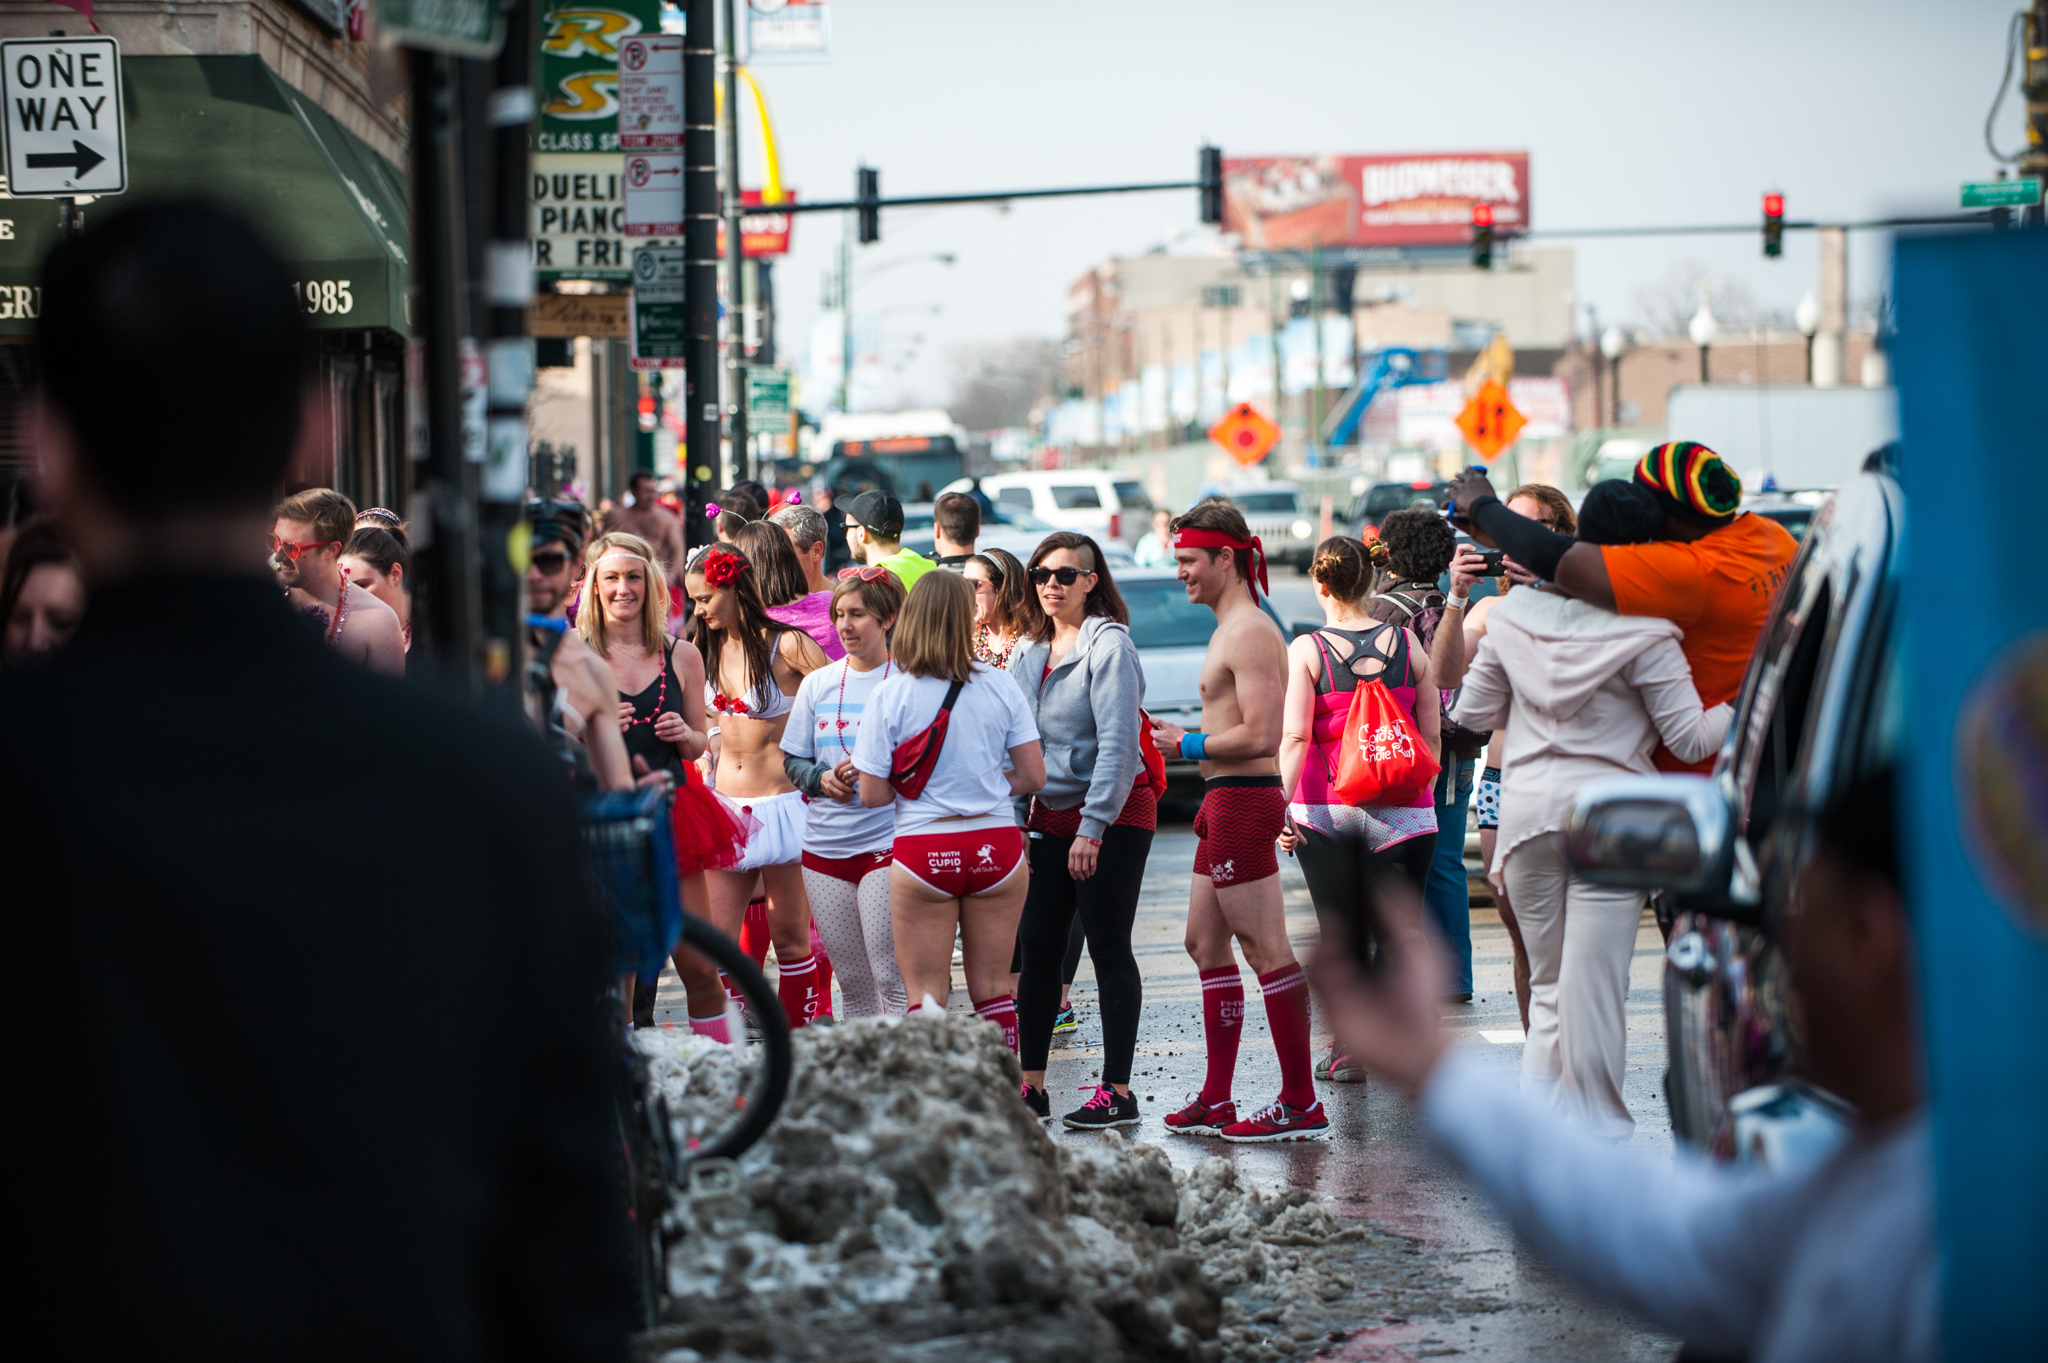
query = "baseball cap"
{"x": 878, "y": 511}
{"x": 556, "y": 520}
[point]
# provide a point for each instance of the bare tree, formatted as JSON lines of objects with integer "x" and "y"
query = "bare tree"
{"x": 999, "y": 384}
{"x": 1664, "y": 308}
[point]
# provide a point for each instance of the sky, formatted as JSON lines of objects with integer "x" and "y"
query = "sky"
{"x": 1634, "y": 113}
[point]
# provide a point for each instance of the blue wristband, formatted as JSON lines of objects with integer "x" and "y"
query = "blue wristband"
{"x": 1195, "y": 746}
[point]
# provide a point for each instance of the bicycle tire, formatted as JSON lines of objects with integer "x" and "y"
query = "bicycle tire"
{"x": 771, "y": 1085}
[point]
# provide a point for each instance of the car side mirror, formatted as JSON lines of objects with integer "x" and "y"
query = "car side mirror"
{"x": 1652, "y": 833}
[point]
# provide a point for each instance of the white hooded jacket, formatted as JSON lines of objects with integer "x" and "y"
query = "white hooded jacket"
{"x": 1583, "y": 693}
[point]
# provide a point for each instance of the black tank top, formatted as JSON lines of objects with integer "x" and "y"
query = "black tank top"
{"x": 1396, "y": 668}
{"x": 640, "y": 739}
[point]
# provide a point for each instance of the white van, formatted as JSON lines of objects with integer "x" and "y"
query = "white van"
{"x": 1095, "y": 502}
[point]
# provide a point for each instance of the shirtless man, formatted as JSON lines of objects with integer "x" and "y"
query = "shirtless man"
{"x": 1235, "y": 892}
{"x": 306, "y": 544}
{"x": 589, "y": 692}
{"x": 655, "y": 523}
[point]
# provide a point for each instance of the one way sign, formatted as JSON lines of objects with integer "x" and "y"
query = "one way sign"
{"x": 65, "y": 130}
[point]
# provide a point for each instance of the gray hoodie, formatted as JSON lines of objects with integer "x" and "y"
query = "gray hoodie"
{"x": 1087, "y": 715}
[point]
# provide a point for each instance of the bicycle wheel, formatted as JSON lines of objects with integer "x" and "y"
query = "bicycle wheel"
{"x": 771, "y": 1084}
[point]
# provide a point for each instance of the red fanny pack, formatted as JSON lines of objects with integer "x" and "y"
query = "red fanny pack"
{"x": 910, "y": 765}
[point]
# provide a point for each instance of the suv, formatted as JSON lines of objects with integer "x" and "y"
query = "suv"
{"x": 1273, "y": 511}
{"x": 1095, "y": 502}
{"x": 1381, "y": 500}
{"x": 1820, "y": 708}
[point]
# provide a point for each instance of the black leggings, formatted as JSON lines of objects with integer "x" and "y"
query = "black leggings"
{"x": 1106, "y": 904}
{"x": 1340, "y": 869}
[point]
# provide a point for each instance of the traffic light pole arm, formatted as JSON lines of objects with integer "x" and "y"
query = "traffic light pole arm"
{"x": 1749, "y": 228}
{"x": 931, "y": 200}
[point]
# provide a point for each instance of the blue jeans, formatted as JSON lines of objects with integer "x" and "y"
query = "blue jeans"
{"x": 1447, "y": 895}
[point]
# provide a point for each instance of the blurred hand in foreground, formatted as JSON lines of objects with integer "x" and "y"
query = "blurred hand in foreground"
{"x": 1390, "y": 1019}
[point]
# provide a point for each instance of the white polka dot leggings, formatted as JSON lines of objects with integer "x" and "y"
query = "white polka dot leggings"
{"x": 853, "y": 921}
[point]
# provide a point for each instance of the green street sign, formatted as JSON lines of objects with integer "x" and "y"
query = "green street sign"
{"x": 768, "y": 392}
{"x": 2001, "y": 193}
{"x": 468, "y": 28}
{"x": 660, "y": 327}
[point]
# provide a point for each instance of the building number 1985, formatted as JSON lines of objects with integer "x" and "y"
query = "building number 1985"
{"x": 324, "y": 295}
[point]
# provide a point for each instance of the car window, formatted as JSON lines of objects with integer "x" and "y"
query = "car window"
{"x": 1774, "y": 720}
{"x": 917, "y": 520}
{"x": 1131, "y": 497}
{"x": 1268, "y": 502}
{"x": 1015, "y": 496}
{"x": 1080, "y": 498}
{"x": 1393, "y": 496}
{"x": 1007, "y": 513}
{"x": 1163, "y": 617}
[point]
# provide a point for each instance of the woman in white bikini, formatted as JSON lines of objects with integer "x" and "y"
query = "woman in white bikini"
{"x": 752, "y": 668}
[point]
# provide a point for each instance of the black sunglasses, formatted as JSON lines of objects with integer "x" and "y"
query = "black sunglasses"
{"x": 550, "y": 562}
{"x": 1065, "y": 576}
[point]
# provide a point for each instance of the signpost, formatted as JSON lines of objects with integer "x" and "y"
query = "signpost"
{"x": 66, "y": 130}
{"x": 660, "y": 336}
{"x": 2002, "y": 193}
{"x": 1245, "y": 434}
{"x": 653, "y": 194}
{"x": 768, "y": 392}
{"x": 651, "y": 91}
{"x": 1490, "y": 421}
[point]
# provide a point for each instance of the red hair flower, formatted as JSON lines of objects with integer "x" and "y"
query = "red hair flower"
{"x": 723, "y": 569}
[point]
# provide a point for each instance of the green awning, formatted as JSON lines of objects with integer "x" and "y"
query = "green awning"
{"x": 229, "y": 129}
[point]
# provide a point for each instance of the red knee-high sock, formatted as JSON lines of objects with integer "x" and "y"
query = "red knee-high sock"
{"x": 1286, "y": 991}
{"x": 1002, "y": 1011}
{"x": 754, "y": 930}
{"x": 796, "y": 984}
{"x": 824, "y": 973}
{"x": 1222, "y": 1025}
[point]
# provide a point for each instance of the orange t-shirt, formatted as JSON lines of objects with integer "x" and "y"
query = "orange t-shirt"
{"x": 1717, "y": 589}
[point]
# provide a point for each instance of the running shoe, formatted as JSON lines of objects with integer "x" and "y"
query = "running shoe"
{"x": 1202, "y": 1119}
{"x": 1037, "y": 1100}
{"x": 1278, "y": 1122}
{"x": 754, "y": 1032}
{"x": 1064, "y": 1020}
{"x": 1339, "y": 1069}
{"x": 1106, "y": 1109}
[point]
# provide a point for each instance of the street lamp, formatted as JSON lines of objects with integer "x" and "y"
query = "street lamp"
{"x": 1613, "y": 343}
{"x": 1703, "y": 329}
{"x": 1807, "y": 316}
{"x": 846, "y": 305}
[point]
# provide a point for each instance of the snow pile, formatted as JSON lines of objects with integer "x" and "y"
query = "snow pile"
{"x": 907, "y": 1206}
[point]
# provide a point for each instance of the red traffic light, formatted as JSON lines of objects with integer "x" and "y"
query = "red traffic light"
{"x": 1774, "y": 205}
{"x": 1482, "y": 215}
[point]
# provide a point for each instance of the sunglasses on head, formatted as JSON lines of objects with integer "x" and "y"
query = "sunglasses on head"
{"x": 873, "y": 572}
{"x": 550, "y": 561}
{"x": 1066, "y": 577}
{"x": 291, "y": 549}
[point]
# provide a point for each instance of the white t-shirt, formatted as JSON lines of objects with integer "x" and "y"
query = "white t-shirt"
{"x": 989, "y": 719}
{"x": 822, "y": 726}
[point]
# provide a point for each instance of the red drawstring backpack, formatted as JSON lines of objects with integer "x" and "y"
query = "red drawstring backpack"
{"x": 1381, "y": 758}
{"x": 1154, "y": 773}
{"x": 910, "y": 765}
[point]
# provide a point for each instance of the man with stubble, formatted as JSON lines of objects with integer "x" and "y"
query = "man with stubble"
{"x": 1235, "y": 892}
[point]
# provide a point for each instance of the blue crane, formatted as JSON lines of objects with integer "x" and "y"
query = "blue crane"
{"x": 1394, "y": 367}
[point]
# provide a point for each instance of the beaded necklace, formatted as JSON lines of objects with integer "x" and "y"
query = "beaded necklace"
{"x": 839, "y": 715}
{"x": 340, "y": 610}
{"x": 988, "y": 654}
{"x": 659, "y": 697}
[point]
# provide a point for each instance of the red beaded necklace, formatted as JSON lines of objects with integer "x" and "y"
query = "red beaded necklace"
{"x": 340, "y": 610}
{"x": 659, "y": 697}
{"x": 839, "y": 715}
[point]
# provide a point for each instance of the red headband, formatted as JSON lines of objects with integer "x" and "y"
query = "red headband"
{"x": 1191, "y": 538}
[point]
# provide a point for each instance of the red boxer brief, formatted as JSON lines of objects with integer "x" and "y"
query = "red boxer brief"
{"x": 959, "y": 864}
{"x": 1237, "y": 825}
{"x": 852, "y": 870}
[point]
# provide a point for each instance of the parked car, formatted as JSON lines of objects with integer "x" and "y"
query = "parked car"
{"x": 1093, "y": 501}
{"x": 1172, "y": 637}
{"x": 1792, "y": 509}
{"x": 1820, "y": 708}
{"x": 1004, "y": 527}
{"x": 1274, "y": 513}
{"x": 1381, "y": 500}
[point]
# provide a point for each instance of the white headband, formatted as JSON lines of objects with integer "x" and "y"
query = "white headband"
{"x": 626, "y": 554}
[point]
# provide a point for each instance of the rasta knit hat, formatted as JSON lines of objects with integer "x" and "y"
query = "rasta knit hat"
{"x": 1691, "y": 481}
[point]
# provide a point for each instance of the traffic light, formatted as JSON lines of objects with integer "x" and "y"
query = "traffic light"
{"x": 1774, "y": 225}
{"x": 1212, "y": 185}
{"x": 867, "y": 193}
{"x": 1482, "y": 236}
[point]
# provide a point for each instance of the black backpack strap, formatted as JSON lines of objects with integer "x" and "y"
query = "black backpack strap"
{"x": 952, "y": 694}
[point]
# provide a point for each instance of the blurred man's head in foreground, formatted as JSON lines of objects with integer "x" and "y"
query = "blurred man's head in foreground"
{"x": 194, "y": 312}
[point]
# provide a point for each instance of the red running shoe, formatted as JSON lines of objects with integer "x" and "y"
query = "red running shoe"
{"x": 1278, "y": 1122}
{"x": 1201, "y": 1119}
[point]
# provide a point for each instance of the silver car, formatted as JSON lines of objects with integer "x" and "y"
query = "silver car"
{"x": 1172, "y": 635}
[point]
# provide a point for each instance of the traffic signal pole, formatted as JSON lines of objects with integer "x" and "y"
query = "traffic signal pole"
{"x": 735, "y": 259}
{"x": 700, "y": 266}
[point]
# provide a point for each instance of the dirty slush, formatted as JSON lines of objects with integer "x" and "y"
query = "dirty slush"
{"x": 907, "y": 1206}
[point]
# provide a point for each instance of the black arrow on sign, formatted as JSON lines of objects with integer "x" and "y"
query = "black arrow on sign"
{"x": 80, "y": 158}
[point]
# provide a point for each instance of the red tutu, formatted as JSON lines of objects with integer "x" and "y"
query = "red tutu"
{"x": 708, "y": 835}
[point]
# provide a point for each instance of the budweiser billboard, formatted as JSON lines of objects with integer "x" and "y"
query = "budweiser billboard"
{"x": 1289, "y": 203}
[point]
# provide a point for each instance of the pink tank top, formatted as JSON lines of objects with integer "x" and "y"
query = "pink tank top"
{"x": 1333, "y": 707}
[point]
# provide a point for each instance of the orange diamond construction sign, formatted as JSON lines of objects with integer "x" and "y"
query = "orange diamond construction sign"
{"x": 1245, "y": 434}
{"x": 1491, "y": 422}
